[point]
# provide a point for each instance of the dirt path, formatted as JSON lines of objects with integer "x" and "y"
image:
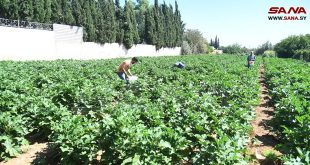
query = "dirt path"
{"x": 263, "y": 140}
{"x": 31, "y": 153}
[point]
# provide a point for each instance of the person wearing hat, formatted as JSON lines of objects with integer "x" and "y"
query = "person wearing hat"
{"x": 251, "y": 58}
{"x": 123, "y": 70}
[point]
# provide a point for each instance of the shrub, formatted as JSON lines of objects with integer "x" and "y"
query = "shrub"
{"x": 303, "y": 54}
{"x": 269, "y": 53}
{"x": 186, "y": 49}
{"x": 233, "y": 49}
{"x": 288, "y": 47}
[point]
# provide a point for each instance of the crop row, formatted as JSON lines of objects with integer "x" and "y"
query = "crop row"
{"x": 289, "y": 85}
{"x": 200, "y": 114}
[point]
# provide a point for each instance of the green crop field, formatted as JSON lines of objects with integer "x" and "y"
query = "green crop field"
{"x": 200, "y": 114}
{"x": 289, "y": 85}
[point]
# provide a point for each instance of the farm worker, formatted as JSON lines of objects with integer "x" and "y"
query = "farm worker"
{"x": 251, "y": 58}
{"x": 123, "y": 70}
{"x": 179, "y": 65}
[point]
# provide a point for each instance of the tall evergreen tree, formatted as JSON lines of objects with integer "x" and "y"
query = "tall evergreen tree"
{"x": 90, "y": 30}
{"x": 179, "y": 26}
{"x": 38, "y": 11}
{"x": 140, "y": 12}
{"x": 109, "y": 30}
{"x": 172, "y": 28}
{"x": 131, "y": 35}
{"x": 77, "y": 12}
{"x": 57, "y": 16}
{"x": 215, "y": 42}
{"x": 159, "y": 24}
{"x": 160, "y": 42}
{"x": 128, "y": 29}
{"x": 150, "y": 28}
{"x": 48, "y": 10}
{"x": 13, "y": 10}
{"x": 25, "y": 8}
{"x": 100, "y": 23}
{"x": 167, "y": 25}
{"x": 134, "y": 24}
{"x": 4, "y": 7}
{"x": 156, "y": 4}
{"x": 67, "y": 13}
{"x": 119, "y": 22}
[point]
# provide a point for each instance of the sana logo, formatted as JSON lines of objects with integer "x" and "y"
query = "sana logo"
{"x": 283, "y": 10}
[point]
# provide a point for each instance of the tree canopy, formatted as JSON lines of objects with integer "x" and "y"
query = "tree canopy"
{"x": 294, "y": 47}
{"x": 105, "y": 21}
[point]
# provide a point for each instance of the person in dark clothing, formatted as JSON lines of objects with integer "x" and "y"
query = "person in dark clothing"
{"x": 179, "y": 65}
{"x": 251, "y": 58}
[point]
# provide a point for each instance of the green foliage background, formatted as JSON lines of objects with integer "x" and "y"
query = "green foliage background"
{"x": 105, "y": 21}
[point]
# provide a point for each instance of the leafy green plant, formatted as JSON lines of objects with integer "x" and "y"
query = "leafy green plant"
{"x": 289, "y": 83}
{"x": 200, "y": 114}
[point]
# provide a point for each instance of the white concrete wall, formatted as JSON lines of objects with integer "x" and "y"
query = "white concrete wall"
{"x": 26, "y": 44}
{"x": 65, "y": 33}
{"x": 92, "y": 50}
{"x": 65, "y": 42}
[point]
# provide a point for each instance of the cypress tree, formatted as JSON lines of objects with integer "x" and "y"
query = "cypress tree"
{"x": 108, "y": 13}
{"x": 48, "y": 11}
{"x": 13, "y": 10}
{"x": 119, "y": 22}
{"x": 150, "y": 28}
{"x": 100, "y": 23}
{"x": 25, "y": 8}
{"x": 178, "y": 22}
{"x": 89, "y": 28}
{"x": 4, "y": 7}
{"x": 67, "y": 13}
{"x": 172, "y": 28}
{"x": 57, "y": 16}
{"x": 215, "y": 42}
{"x": 140, "y": 12}
{"x": 134, "y": 24}
{"x": 156, "y": 4}
{"x": 166, "y": 25}
{"x": 128, "y": 32}
{"x": 94, "y": 9}
{"x": 77, "y": 12}
{"x": 131, "y": 35}
{"x": 160, "y": 29}
{"x": 159, "y": 24}
{"x": 38, "y": 11}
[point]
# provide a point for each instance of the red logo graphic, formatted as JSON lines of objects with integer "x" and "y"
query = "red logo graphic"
{"x": 291, "y": 10}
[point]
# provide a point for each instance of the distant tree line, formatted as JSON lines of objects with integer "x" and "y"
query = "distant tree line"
{"x": 195, "y": 43}
{"x": 235, "y": 49}
{"x": 215, "y": 43}
{"x": 105, "y": 21}
{"x": 260, "y": 50}
{"x": 294, "y": 47}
